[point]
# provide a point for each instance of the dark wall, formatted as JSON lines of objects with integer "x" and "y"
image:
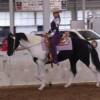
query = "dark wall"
{"x": 4, "y": 31}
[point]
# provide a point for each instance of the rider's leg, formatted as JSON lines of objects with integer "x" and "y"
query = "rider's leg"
{"x": 53, "y": 43}
{"x": 53, "y": 50}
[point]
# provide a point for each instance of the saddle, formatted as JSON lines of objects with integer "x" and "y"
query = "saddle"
{"x": 63, "y": 40}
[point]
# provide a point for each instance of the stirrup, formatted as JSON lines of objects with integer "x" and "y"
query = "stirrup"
{"x": 50, "y": 58}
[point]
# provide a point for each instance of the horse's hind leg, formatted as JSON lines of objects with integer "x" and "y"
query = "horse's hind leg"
{"x": 93, "y": 69}
{"x": 73, "y": 72}
{"x": 96, "y": 74}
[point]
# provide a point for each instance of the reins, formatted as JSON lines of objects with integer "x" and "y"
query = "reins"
{"x": 30, "y": 46}
{"x": 14, "y": 42}
{"x": 13, "y": 36}
{"x": 22, "y": 45}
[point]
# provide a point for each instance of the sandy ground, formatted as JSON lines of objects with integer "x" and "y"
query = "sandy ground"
{"x": 58, "y": 92}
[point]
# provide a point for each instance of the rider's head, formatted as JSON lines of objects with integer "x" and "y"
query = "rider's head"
{"x": 66, "y": 34}
{"x": 56, "y": 12}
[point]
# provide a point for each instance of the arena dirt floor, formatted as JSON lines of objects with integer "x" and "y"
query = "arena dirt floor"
{"x": 55, "y": 92}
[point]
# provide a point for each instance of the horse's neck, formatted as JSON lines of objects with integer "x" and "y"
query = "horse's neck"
{"x": 24, "y": 43}
{"x": 27, "y": 44}
{"x": 34, "y": 39}
{"x": 35, "y": 50}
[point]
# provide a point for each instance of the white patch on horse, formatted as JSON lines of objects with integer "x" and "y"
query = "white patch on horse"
{"x": 35, "y": 50}
{"x": 95, "y": 72}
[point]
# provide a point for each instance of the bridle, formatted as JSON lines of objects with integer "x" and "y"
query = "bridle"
{"x": 28, "y": 47}
{"x": 13, "y": 37}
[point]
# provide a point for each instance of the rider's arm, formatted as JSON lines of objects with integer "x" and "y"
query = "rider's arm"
{"x": 52, "y": 33}
{"x": 53, "y": 29}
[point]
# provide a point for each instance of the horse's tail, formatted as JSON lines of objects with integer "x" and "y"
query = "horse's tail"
{"x": 95, "y": 58}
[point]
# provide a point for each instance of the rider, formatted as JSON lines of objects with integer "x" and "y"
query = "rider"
{"x": 54, "y": 34}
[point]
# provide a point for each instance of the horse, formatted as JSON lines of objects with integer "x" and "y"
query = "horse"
{"x": 82, "y": 50}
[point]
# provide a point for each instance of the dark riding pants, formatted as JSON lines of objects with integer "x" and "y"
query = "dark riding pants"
{"x": 53, "y": 43}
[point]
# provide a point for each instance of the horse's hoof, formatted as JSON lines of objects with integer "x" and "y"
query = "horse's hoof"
{"x": 41, "y": 87}
{"x": 97, "y": 84}
{"x": 66, "y": 85}
{"x": 50, "y": 84}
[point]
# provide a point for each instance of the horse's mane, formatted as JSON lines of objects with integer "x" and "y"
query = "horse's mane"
{"x": 21, "y": 36}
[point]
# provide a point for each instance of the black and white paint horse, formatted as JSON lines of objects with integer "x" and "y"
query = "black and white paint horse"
{"x": 82, "y": 50}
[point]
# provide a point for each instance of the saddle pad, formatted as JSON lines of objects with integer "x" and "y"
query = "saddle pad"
{"x": 66, "y": 46}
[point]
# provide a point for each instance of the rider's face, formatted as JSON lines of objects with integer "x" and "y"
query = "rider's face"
{"x": 66, "y": 34}
{"x": 56, "y": 14}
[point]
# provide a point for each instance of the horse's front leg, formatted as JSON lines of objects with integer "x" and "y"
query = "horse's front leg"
{"x": 41, "y": 72}
{"x": 40, "y": 68}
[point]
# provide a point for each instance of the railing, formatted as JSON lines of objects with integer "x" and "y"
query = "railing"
{"x": 4, "y": 6}
{"x": 78, "y": 3}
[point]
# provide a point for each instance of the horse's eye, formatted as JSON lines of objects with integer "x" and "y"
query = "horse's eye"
{"x": 13, "y": 37}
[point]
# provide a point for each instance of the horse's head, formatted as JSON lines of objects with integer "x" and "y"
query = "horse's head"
{"x": 10, "y": 41}
{"x": 14, "y": 41}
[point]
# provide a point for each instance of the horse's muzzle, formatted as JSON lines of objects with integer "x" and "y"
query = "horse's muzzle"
{"x": 9, "y": 53}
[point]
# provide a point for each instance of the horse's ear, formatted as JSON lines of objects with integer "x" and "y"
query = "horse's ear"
{"x": 11, "y": 34}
